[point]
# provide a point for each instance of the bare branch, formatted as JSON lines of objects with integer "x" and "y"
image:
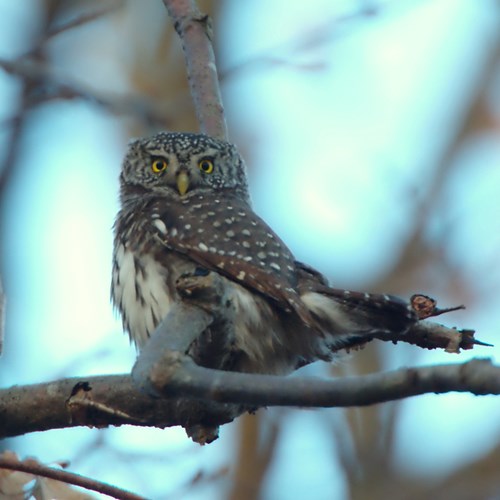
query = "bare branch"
{"x": 94, "y": 402}
{"x": 56, "y": 86}
{"x": 200, "y": 399}
{"x": 205, "y": 309}
{"x": 478, "y": 377}
{"x": 430, "y": 335}
{"x": 31, "y": 466}
{"x": 195, "y": 32}
{"x": 84, "y": 19}
{"x": 113, "y": 399}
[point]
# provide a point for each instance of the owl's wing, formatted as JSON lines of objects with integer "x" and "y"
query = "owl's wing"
{"x": 226, "y": 236}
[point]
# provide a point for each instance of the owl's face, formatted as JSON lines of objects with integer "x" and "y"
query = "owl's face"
{"x": 183, "y": 164}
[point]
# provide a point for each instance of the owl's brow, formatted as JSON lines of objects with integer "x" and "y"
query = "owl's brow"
{"x": 157, "y": 151}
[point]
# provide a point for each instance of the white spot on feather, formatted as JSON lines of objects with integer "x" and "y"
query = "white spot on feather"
{"x": 160, "y": 225}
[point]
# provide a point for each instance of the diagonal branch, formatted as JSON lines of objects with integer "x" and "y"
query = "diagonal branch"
{"x": 31, "y": 466}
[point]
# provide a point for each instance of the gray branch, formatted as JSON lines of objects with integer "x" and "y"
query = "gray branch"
{"x": 195, "y": 32}
{"x": 168, "y": 388}
{"x": 114, "y": 400}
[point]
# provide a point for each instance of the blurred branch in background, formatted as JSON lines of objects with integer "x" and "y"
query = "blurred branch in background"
{"x": 420, "y": 259}
{"x": 51, "y": 86}
{"x": 51, "y": 481}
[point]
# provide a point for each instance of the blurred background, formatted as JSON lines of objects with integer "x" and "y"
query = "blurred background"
{"x": 371, "y": 133}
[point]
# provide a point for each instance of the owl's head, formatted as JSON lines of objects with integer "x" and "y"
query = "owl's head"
{"x": 181, "y": 165}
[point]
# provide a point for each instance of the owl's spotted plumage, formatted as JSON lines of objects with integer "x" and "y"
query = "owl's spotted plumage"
{"x": 184, "y": 206}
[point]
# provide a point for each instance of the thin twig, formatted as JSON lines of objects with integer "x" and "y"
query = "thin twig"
{"x": 85, "y": 18}
{"x": 34, "y": 467}
{"x": 56, "y": 86}
{"x": 195, "y": 32}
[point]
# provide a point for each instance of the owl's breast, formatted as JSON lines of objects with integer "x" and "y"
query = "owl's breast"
{"x": 141, "y": 291}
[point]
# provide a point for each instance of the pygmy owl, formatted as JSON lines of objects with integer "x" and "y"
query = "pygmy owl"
{"x": 185, "y": 207}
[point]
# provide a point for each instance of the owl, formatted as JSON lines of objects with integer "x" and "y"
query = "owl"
{"x": 186, "y": 209}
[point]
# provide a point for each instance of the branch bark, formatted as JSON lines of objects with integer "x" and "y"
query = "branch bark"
{"x": 113, "y": 399}
{"x": 169, "y": 388}
{"x": 195, "y": 32}
{"x": 11, "y": 462}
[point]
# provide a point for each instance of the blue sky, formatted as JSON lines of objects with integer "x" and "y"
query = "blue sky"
{"x": 347, "y": 130}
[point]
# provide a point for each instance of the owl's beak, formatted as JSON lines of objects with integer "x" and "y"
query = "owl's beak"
{"x": 182, "y": 182}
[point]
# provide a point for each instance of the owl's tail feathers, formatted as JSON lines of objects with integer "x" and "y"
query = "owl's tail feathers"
{"x": 349, "y": 319}
{"x": 343, "y": 311}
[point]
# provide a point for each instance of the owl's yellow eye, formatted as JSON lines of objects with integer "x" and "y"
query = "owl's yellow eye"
{"x": 159, "y": 165}
{"x": 206, "y": 165}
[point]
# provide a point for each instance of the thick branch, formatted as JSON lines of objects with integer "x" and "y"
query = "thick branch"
{"x": 195, "y": 32}
{"x": 478, "y": 377}
{"x": 113, "y": 400}
{"x": 201, "y": 325}
{"x": 91, "y": 401}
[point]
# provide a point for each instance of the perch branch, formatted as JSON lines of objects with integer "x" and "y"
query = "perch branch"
{"x": 183, "y": 376}
{"x": 206, "y": 311}
{"x": 200, "y": 397}
{"x": 113, "y": 400}
{"x": 97, "y": 401}
{"x": 195, "y": 32}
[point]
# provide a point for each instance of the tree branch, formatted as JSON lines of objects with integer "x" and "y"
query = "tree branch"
{"x": 31, "y": 466}
{"x": 206, "y": 311}
{"x": 195, "y": 32}
{"x": 56, "y": 86}
{"x": 113, "y": 399}
{"x": 201, "y": 326}
{"x": 97, "y": 401}
{"x": 478, "y": 377}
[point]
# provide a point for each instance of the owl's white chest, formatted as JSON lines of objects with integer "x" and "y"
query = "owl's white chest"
{"x": 140, "y": 291}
